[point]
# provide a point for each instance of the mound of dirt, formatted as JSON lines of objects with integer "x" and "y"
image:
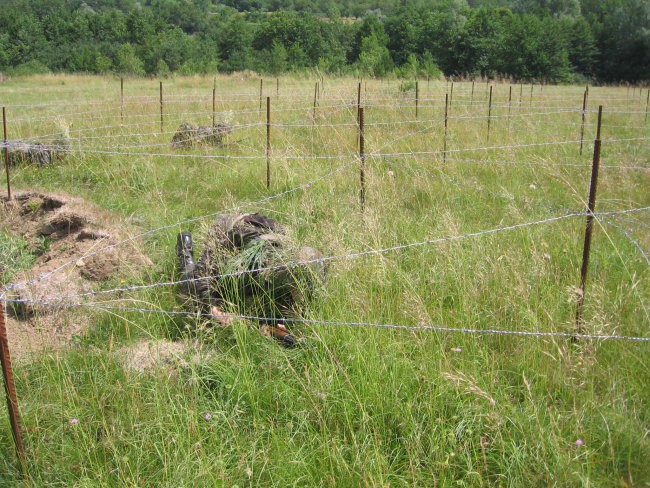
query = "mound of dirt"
{"x": 64, "y": 232}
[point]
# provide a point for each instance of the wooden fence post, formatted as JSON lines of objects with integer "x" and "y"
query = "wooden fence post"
{"x": 261, "y": 87}
{"x": 590, "y": 224}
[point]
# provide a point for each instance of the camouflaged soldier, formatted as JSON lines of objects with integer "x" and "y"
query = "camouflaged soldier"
{"x": 252, "y": 251}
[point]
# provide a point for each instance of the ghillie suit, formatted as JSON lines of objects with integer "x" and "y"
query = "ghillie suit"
{"x": 188, "y": 135}
{"x": 244, "y": 267}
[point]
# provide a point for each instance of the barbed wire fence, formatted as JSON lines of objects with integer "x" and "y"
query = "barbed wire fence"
{"x": 349, "y": 160}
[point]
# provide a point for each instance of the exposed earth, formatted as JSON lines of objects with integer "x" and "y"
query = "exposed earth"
{"x": 64, "y": 232}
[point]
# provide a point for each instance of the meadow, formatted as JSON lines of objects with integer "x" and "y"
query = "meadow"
{"x": 418, "y": 367}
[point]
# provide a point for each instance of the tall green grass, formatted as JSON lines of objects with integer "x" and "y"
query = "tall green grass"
{"x": 358, "y": 406}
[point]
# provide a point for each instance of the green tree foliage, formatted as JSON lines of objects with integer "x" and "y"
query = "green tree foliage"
{"x": 606, "y": 40}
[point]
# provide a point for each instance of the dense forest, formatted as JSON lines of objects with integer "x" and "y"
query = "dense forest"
{"x": 554, "y": 40}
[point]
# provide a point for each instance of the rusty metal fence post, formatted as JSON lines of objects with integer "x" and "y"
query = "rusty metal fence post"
{"x": 444, "y": 140}
{"x": 268, "y": 142}
{"x": 362, "y": 160}
{"x": 509, "y": 100}
{"x": 489, "y": 117}
{"x": 584, "y": 113}
{"x": 417, "y": 98}
{"x": 122, "y": 99}
{"x": 451, "y": 95}
{"x": 591, "y": 205}
{"x": 6, "y": 151}
{"x": 10, "y": 389}
{"x": 161, "y": 107}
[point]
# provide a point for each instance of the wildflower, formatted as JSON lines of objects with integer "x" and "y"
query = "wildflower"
{"x": 579, "y": 442}
{"x": 391, "y": 172}
{"x": 207, "y": 416}
{"x": 74, "y": 421}
{"x": 456, "y": 349}
{"x": 308, "y": 185}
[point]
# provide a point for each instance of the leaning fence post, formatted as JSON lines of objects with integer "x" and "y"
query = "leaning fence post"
{"x": 268, "y": 142}
{"x": 489, "y": 114}
{"x": 161, "y": 107}
{"x": 584, "y": 113}
{"x": 444, "y": 140}
{"x": 590, "y": 224}
{"x": 6, "y": 145}
{"x": 10, "y": 389}
{"x": 362, "y": 159}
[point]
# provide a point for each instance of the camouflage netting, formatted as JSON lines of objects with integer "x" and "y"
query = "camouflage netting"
{"x": 188, "y": 135}
{"x": 239, "y": 243}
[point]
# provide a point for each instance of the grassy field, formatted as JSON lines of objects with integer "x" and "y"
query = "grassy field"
{"x": 359, "y": 406}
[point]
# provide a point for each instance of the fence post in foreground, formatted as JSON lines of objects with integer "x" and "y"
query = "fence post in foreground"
{"x": 489, "y": 114}
{"x": 268, "y": 142}
{"x": 10, "y": 389}
{"x": 362, "y": 159}
{"x": 584, "y": 113}
{"x": 122, "y": 99}
{"x": 590, "y": 224}
{"x": 444, "y": 141}
{"x": 6, "y": 145}
{"x": 161, "y": 107}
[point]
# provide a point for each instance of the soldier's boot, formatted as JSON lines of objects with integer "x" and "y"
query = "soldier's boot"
{"x": 186, "y": 263}
{"x": 185, "y": 252}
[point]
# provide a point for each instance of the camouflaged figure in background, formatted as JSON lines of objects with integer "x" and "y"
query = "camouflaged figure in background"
{"x": 253, "y": 252}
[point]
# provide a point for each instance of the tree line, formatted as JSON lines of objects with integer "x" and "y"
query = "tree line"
{"x": 553, "y": 40}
